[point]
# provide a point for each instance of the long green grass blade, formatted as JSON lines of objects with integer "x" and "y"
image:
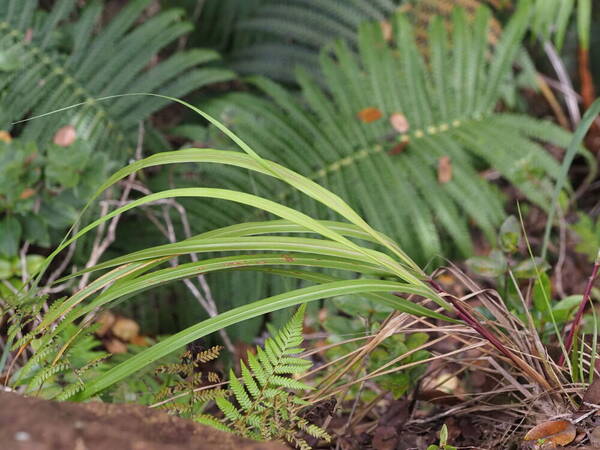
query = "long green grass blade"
{"x": 236, "y": 315}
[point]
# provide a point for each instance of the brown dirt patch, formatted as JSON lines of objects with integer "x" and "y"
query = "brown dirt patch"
{"x": 28, "y": 423}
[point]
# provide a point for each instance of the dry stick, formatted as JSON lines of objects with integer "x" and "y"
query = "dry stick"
{"x": 582, "y": 305}
{"x": 552, "y": 101}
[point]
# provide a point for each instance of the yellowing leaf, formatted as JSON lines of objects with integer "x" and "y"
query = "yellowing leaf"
{"x": 444, "y": 169}
{"x": 370, "y": 114}
{"x": 399, "y": 122}
{"x": 557, "y": 432}
{"x": 65, "y": 136}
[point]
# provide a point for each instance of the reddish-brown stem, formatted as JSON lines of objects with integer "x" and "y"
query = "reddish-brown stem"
{"x": 579, "y": 316}
{"x": 586, "y": 80}
{"x": 470, "y": 320}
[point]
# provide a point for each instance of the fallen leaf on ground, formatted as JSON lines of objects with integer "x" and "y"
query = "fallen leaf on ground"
{"x": 125, "y": 329}
{"x": 595, "y": 437}
{"x": 592, "y": 393}
{"x": 106, "y": 321}
{"x": 557, "y": 432}
{"x": 115, "y": 346}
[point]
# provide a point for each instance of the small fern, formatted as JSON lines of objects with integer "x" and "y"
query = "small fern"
{"x": 265, "y": 409}
{"x": 59, "y": 367}
{"x": 187, "y": 377}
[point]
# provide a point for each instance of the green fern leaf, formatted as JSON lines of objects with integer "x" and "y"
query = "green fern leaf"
{"x": 249, "y": 381}
{"x": 228, "y": 409}
{"x": 209, "y": 420}
{"x": 240, "y": 392}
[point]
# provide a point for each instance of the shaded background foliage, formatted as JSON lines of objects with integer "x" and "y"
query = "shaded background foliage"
{"x": 296, "y": 77}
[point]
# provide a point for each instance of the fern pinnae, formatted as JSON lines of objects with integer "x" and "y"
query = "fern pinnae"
{"x": 249, "y": 381}
{"x": 230, "y": 411}
{"x": 266, "y": 410}
{"x": 239, "y": 391}
{"x": 257, "y": 369}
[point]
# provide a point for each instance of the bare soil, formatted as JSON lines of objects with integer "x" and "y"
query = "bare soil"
{"x": 28, "y": 423}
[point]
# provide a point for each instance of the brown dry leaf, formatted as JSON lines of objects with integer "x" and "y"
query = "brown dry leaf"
{"x": 386, "y": 30}
{"x": 27, "y": 192}
{"x": 444, "y": 169}
{"x": 65, "y": 136}
{"x": 5, "y": 137}
{"x": 385, "y": 438}
{"x": 398, "y": 148}
{"x": 370, "y": 114}
{"x": 140, "y": 341}
{"x": 115, "y": 346}
{"x": 592, "y": 393}
{"x": 399, "y": 122}
{"x": 106, "y": 321}
{"x": 125, "y": 329}
{"x": 557, "y": 432}
{"x": 28, "y": 35}
{"x": 595, "y": 437}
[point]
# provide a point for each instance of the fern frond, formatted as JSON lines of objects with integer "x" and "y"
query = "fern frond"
{"x": 70, "y": 390}
{"x": 389, "y": 174}
{"x": 209, "y": 355}
{"x": 267, "y": 411}
{"x": 46, "y": 373}
{"x": 63, "y": 61}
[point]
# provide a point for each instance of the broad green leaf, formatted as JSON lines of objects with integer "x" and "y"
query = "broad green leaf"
{"x": 509, "y": 236}
{"x": 491, "y": 266}
{"x": 564, "y": 308}
{"x": 6, "y": 269}
{"x": 10, "y": 235}
{"x": 530, "y": 267}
